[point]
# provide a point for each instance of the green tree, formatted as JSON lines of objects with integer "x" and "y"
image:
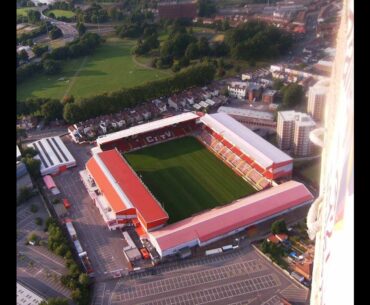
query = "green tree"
{"x": 203, "y": 46}
{"x": 33, "y": 166}
{"x": 192, "y": 51}
{"x": 55, "y": 33}
{"x": 39, "y": 50}
{"x": 265, "y": 246}
{"x": 206, "y": 8}
{"x": 33, "y": 16}
{"x": 278, "y": 227}
{"x": 23, "y": 55}
{"x": 72, "y": 113}
{"x": 29, "y": 152}
{"x": 25, "y": 193}
{"x": 67, "y": 99}
{"x": 51, "y": 110}
{"x": 38, "y": 221}
{"x": 277, "y": 84}
{"x": 81, "y": 28}
{"x": 55, "y": 301}
{"x": 51, "y": 66}
{"x": 293, "y": 95}
{"x": 83, "y": 279}
{"x": 21, "y": 133}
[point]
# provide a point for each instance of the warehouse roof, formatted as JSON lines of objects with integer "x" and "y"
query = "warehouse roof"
{"x": 53, "y": 154}
{"x": 261, "y": 115}
{"x": 183, "y": 117}
{"x": 243, "y": 212}
{"x": 264, "y": 153}
{"x": 122, "y": 187}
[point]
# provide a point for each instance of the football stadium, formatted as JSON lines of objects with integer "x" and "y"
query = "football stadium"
{"x": 189, "y": 180}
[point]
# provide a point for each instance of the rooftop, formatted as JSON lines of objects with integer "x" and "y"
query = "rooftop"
{"x": 247, "y": 113}
{"x": 123, "y": 188}
{"x": 243, "y": 212}
{"x": 147, "y": 127}
{"x": 246, "y": 140}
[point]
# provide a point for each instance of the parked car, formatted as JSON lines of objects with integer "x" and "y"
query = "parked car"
{"x": 66, "y": 203}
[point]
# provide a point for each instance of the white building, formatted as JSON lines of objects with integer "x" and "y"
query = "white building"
{"x": 293, "y": 129}
{"x": 303, "y": 125}
{"x": 26, "y": 296}
{"x": 316, "y": 100}
{"x": 53, "y": 155}
{"x": 238, "y": 89}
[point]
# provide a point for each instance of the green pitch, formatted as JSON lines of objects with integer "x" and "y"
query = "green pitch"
{"x": 186, "y": 178}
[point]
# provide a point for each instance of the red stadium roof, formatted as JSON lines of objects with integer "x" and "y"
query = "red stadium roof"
{"x": 243, "y": 212}
{"x": 123, "y": 189}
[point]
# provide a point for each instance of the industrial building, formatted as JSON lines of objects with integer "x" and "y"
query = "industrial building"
{"x": 53, "y": 155}
{"x": 251, "y": 118}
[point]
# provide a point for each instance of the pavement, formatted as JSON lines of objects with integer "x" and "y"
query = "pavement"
{"x": 37, "y": 267}
{"x": 240, "y": 277}
{"x": 103, "y": 247}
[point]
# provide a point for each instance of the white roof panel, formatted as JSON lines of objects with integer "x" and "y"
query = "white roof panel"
{"x": 246, "y": 140}
{"x": 147, "y": 127}
{"x": 53, "y": 154}
{"x": 247, "y": 113}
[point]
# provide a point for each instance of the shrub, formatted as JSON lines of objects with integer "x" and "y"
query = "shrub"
{"x": 38, "y": 221}
{"x": 34, "y": 208}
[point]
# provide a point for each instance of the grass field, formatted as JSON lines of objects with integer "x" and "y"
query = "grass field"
{"x": 111, "y": 67}
{"x": 186, "y": 178}
{"x": 62, "y": 13}
{"x": 24, "y": 11}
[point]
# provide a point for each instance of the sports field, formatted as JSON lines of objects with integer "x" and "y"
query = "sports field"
{"x": 62, "y": 13}
{"x": 111, "y": 67}
{"x": 186, "y": 178}
{"x": 24, "y": 11}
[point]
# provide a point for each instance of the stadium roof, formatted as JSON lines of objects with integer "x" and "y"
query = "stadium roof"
{"x": 53, "y": 154}
{"x": 264, "y": 153}
{"x": 183, "y": 117}
{"x": 243, "y": 212}
{"x": 122, "y": 187}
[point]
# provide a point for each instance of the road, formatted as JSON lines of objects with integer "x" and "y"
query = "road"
{"x": 68, "y": 29}
{"x": 37, "y": 267}
{"x": 34, "y": 135}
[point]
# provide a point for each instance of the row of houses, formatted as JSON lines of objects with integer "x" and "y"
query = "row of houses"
{"x": 252, "y": 91}
{"x": 192, "y": 99}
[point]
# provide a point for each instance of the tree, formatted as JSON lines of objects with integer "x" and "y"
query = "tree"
{"x": 25, "y": 193}
{"x": 29, "y": 152}
{"x": 293, "y": 95}
{"x": 23, "y": 55}
{"x": 76, "y": 295}
{"x": 203, "y": 46}
{"x": 206, "y": 8}
{"x": 265, "y": 246}
{"x": 55, "y": 33}
{"x": 278, "y": 227}
{"x": 72, "y": 113}
{"x": 192, "y": 51}
{"x": 21, "y": 133}
{"x": 33, "y": 16}
{"x": 33, "y": 166}
{"x": 81, "y": 28}
{"x": 39, "y": 50}
{"x": 277, "y": 84}
{"x": 55, "y": 301}
{"x": 51, "y": 66}
{"x": 51, "y": 110}
{"x": 83, "y": 279}
{"x": 67, "y": 99}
